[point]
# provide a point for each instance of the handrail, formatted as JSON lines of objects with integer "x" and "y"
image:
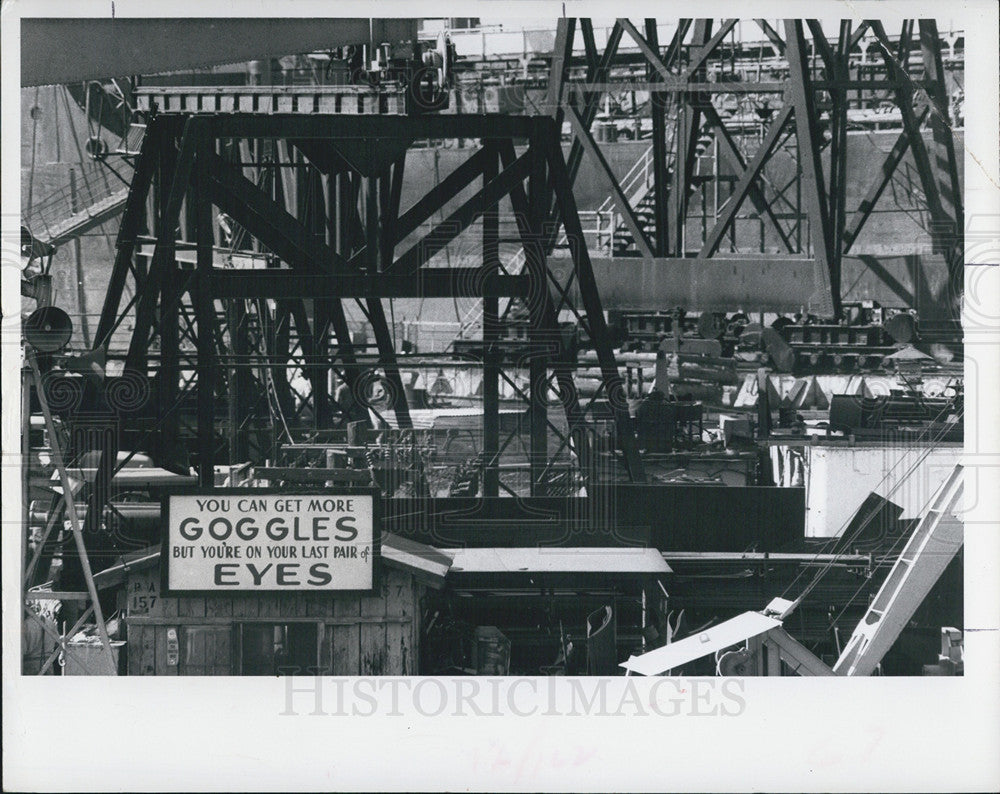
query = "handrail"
{"x": 635, "y": 185}
{"x": 641, "y": 170}
{"x": 641, "y": 173}
{"x": 58, "y": 208}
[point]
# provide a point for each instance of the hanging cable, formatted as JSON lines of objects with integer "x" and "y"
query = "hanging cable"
{"x": 35, "y": 113}
{"x": 890, "y": 553}
{"x": 836, "y": 555}
{"x": 847, "y": 540}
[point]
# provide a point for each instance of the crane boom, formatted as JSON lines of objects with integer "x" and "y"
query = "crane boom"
{"x": 933, "y": 544}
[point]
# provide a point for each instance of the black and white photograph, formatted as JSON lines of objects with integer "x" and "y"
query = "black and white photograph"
{"x": 429, "y": 392}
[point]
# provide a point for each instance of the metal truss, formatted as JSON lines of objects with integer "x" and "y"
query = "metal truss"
{"x": 730, "y": 164}
{"x": 315, "y": 202}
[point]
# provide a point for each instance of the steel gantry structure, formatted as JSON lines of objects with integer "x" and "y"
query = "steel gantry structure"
{"x": 784, "y": 172}
{"x": 338, "y": 233}
{"x": 238, "y": 330}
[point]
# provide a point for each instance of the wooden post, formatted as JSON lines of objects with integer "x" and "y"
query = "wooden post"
{"x": 773, "y": 659}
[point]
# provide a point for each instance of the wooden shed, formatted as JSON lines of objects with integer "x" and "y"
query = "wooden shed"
{"x": 266, "y": 633}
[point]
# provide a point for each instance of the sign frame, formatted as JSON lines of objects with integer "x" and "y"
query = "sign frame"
{"x": 190, "y": 490}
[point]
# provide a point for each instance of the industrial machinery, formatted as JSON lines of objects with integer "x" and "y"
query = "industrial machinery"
{"x": 763, "y": 646}
{"x": 803, "y": 344}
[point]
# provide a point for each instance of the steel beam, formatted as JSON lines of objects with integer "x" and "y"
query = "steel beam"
{"x": 718, "y": 284}
{"x": 240, "y": 384}
{"x": 591, "y": 299}
{"x": 538, "y": 205}
{"x": 387, "y": 357}
{"x": 280, "y": 331}
{"x": 459, "y": 220}
{"x": 150, "y": 292}
{"x": 491, "y": 333}
{"x": 859, "y": 33}
{"x": 370, "y": 187}
{"x": 544, "y": 334}
{"x": 772, "y": 35}
{"x": 707, "y": 48}
{"x": 648, "y": 51}
{"x": 686, "y": 140}
{"x": 562, "y": 54}
{"x": 315, "y": 215}
{"x": 307, "y": 342}
{"x": 943, "y": 160}
{"x": 743, "y": 186}
{"x": 390, "y": 211}
{"x": 658, "y": 111}
{"x": 621, "y": 201}
{"x": 885, "y": 171}
{"x": 440, "y": 282}
{"x": 132, "y": 216}
{"x": 341, "y": 194}
{"x": 809, "y": 143}
{"x": 440, "y": 194}
{"x": 370, "y": 126}
{"x": 168, "y": 375}
{"x": 729, "y": 150}
{"x": 265, "y": 219}
{"x": 943, "y": 230}
{"x": 905, "y": 41}
{"x": 678, "y": 86}
{"x": 322, "y": 155}
{"x": 589, "y": 45}
{"x": 839, "y": 67}
{"x": 205, "y": 313}
{"x": 592, "y": 97}
{"x": 821, "y": 44}
{"x": 799, "y": 659}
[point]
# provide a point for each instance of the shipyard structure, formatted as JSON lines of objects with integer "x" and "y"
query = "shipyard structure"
{"x": 450, "y": 347}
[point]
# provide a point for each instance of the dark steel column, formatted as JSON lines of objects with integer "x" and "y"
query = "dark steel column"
{"x": 687, "y": 137}
{"x": 145, "y": 312}
{"x": 591, "y": 299}
{"x": 661, "y": 176}
{"x": 942, "y": 152}
{"x": 205, "y": 312}
{"x": 838, "y": 151}
{"x": 808, "y": 138}
{"x": 168, "y": 376}
{"x": 491, "y": 333}
{"x": 132, "y": 217}
{"x": 538, "y": 211}
{"x": 942, "y": 221}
